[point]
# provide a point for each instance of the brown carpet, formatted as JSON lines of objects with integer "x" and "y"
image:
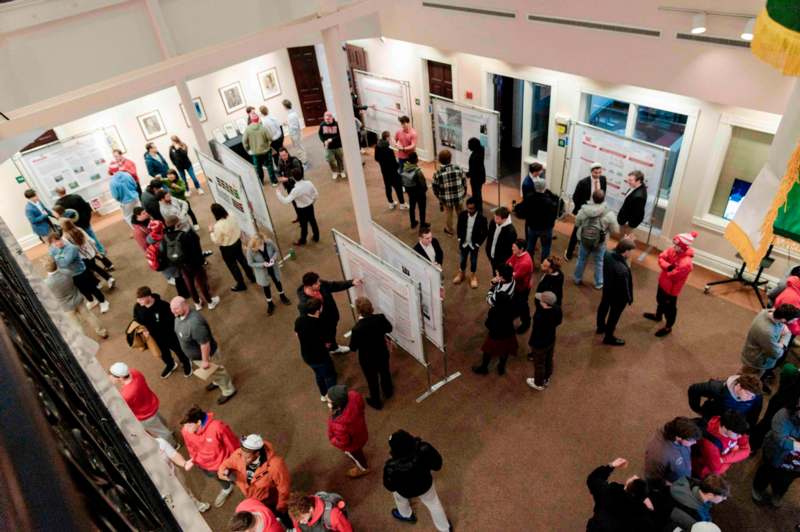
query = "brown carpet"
{"x": 514, "y": 459}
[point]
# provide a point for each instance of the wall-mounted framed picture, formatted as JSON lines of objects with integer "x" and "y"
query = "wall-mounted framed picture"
{"x": 232, "y": 97}
{"x": 241, "y": 124}
{"x": 113, "y": 138}
{"x": 199, "y": 110}
{"x": 268, "y": 81}
{"x": 152, "y": 125}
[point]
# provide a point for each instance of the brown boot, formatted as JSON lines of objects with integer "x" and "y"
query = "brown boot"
{"x": 356, "y": 472}
{"x": 473, "y": 281}
{"x": 459, "y": 278}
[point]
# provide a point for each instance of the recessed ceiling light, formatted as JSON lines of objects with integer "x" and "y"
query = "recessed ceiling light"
{"x": 699, "y": 23}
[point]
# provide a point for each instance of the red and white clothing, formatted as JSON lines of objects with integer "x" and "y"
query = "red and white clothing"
{"x": 126, "y": 165}
{"x": 675, "y": 269}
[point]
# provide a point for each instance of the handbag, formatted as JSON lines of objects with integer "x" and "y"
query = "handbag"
{"x": 134, "y": 335}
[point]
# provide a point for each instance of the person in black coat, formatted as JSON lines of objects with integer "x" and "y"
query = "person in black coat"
{"x": 78, "y": 204}
{"x": 619, "y": 507}
{"x": 150, "y": 201}
{"x": 428, "y": 247}
{"x": 581, "y": 196}
{"x": 469, "y": 244}
{"x": 501, "y": 340}
{"x": 407, "y": 474}
{"x": 631, "y": 214}
{"x": 312, "y": 287}
{"x": 476, "y": 171}
{"x": 500, "y": 236}
{"x": 552, "y": 279}
{"x": 155, "y": 315}
{"x": 389, "y": 170}
{"x": 539, "y": 209}
{"x": 369, "y": 339}
{"x": 190, "y": 263}
{"x": 617, "y": 291}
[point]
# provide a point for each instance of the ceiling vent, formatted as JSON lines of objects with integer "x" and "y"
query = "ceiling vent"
{"x": 596, "y": 25}
{"x": 713, "y": 40}
{"x": 471, "y": 10}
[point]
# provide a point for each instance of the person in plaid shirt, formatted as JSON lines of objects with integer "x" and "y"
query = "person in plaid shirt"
{"x": 449, "y": 185}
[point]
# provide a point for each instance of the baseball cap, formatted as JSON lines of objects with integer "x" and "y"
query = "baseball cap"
{"x": 548, "y": 298}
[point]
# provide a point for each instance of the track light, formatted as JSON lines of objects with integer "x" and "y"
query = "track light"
{"x": 699, "y": 23}
{"x": 747, "y": 33}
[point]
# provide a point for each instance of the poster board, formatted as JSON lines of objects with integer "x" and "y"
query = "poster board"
{"x": 392, "y": 293}
{"x": 386, "y": 100}
{"x": 227, "y": 189}
{"x": 619, "y": 156}
{"x": 421, "y": 271}
{"x": 454, "y": 124}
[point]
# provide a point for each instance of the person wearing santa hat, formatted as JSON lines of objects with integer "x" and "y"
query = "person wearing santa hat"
{"x": 676, "y": 265}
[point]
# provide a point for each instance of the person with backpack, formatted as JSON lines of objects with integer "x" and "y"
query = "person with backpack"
{"x": 539, "y": 209}
{"x": 581, "y": 196}
{"x": 593, "y": 223}
{"x": 780, "y": 462}
{"x": 724, "y": 443}
{"x": 407, "y": 474}
{"x": 347, "y": 426}
{"x": 252, "y": 515}
{"x": 369, "y": 338}
{"x": 676, "y": 265}
{"x": 416, "y": 187}
{"x": 617, "y": 291}
{"x": 692, "y": 500}
{"x": 320, "y": 512}
{"x": 181, "y": 249}
{"x": 384, "y": 156}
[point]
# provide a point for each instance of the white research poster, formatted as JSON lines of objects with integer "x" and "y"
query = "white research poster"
{"x": 391, "y": 293}
{"x": 454, "y": 124}
{"x": 420, "y": 270}
{"x": 228, "y": 191}
{"x": 619, "y": 156}
{"x": 386, "y": 101}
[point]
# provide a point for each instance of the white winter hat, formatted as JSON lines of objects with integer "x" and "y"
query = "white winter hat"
{"x": 595, "y": 166}
{"x": 119, "y": 369}
{"x": 253, "y": 442}
{"x": 705, "y": 526}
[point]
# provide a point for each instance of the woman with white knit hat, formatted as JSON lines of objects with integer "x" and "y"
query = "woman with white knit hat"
{"x": 676, "y": 265}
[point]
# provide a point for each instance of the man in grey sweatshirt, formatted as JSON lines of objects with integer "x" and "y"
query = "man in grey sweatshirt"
{"x": 668, "y": 456}
{"x": 594, "y": 222}
{"x": 694, "y": 500}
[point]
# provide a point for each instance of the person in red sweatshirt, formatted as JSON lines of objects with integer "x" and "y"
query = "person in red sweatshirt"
{"x": 522, "y": 264}
{"x": 347, "y": 426}
{"x": 140, "y": 399}
{"x": 252, "y": 516}
{"x": 676, "y": 265}
{"x": 724, "y": 443}
{"x": 209, "y": 442}
{"x": 791, "y": 294}
{"x": 311, "y": 513}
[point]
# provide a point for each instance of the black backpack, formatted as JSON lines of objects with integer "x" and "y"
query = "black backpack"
{"x": 173, "y": 248}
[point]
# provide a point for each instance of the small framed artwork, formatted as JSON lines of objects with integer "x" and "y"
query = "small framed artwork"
{"x": 199, "y": 110}
{"x": 241, "y": 124}
{"x": 232, "y": 97}
{"x": 113, "y": 138}
{"x": 268, "y": 81}
{"x": 152, "y": 125}
{"x": 219, "y": 136}
{"x": 230, "y": 130}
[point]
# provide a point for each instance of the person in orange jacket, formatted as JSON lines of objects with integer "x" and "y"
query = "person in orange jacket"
{"x": 724, "y": 443}
{"x": 209, "y": 442}
{"x": 311, "y": 513}
{"x": 347, "y": 426}
{"x": 258, "y": 472}
{"x": 676, "y": 265}
{"x": 252, "y": 516}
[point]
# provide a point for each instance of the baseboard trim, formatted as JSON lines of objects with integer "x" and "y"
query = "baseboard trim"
{"x": 29, "y": 241}
{"x": 724, "y": 266}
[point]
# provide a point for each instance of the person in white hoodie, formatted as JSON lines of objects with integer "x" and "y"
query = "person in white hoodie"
{"x": 594, "y": 221}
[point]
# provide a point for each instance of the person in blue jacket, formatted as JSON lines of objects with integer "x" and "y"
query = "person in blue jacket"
{"x": 123, "y": 189}
{"x": 780, "y": 461}
{"x": 38, "y": 215}
{"x": 68, "y": 259}
{"x": 156, "y": 164}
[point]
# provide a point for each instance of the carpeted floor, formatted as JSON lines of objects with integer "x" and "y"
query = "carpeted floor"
{"x": 514, "y": 459}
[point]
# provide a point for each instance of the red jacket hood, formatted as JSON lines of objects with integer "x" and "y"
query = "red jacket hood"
{"x": 793, "y": 283}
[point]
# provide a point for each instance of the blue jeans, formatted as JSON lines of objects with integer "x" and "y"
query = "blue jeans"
{"x": 326, "y": 376}
{"x": 583, "y": 254}
{"x": 93, "y": 236}
{"x": 473, "y": 258}
{"x": 182, "y": 172}
{"x": 547, "y": 239}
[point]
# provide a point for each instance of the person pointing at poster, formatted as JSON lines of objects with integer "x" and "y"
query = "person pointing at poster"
{"x": 315, "y": 288}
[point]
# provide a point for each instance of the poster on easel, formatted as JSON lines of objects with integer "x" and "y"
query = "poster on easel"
{"x": 390, "y": 291}
{"x": 454, "y": 124}
{"x": 227, "y": 189}
{"x": 386, "y": 100}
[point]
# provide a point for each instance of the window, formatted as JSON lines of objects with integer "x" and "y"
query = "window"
{"x": 540, "y": 119}
{"x": 746, "y": 154}
{"x": 606, "y": 113}
{"x": 665, "y": 129}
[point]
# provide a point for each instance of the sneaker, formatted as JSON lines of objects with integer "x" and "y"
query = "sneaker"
{"x": 357, "y": 472}
{"x": 198, "y": 307}
{"x": 567, "y": 257}
{"x": 187, "y": 371}
{"x": 222, "y": 496}
{"x": 214, "y": 302}
{"x": 91, "y": 304}
{"x": 650, "y": 316}
{"x": 100, "y": 285}
{"x": 169, "y": 370}
{"x": 196, "y": 228}
{"x": 404, "y": 206}
{"x": 200, "y": 191}
{"x": 202, "y": 506}
{"x": 341, "y": 350}
{"x": 577, "y": 282}
{"x": 270, "y": 308}
{"x": 110, "y": 282}
{"x": 613, "y": 341}
{"x": 598, "y": 287}
{"x": 188, "y": 193}
{"x": 104, "y": 306}
{"x": 334, "y": 175}
{"x": 285, "y": 300}
{"x": 207, "y": 253}
{"x": 171, "y": 281}
{"x": 343, "y": 175}
{"x": 546, "y": 383}
{"x": 322, "y": 398}
{"x": 274, "y": 185}
{"x": 102, "y": 333}
{"x": 225, "y": 398}
{"x": 396, "y": 514}
{"x": 392, "y": 206}
{"x": 238, "y": 288}
{"x": 532, "y": 383}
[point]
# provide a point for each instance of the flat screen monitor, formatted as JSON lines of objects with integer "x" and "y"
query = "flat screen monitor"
{"x": 738, "y": 191}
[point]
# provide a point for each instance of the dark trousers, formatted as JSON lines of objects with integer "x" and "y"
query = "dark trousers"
{"x": 191, "y": 214}
{"x": 392, "y": 182}
{"x": 86, "y": 283}
{"x": 477, "y": 193}
{"x": 234, "y": 257}
{"x": 546, "y": 235}
{"x": 416, "y": 199}
{"x": 573, "y": 242}
{"x": 667, "y": 306}
{"x": 473, "y": 258}
{"x": 778, "y": 479}
{"x": 378, "y": 376}
{"x": 608, "y": 314}
{"x": 325, "y": 375}
{"x": 278, "y": 285}
{"x": 171, "y": 343}
{"x": 196, "y": 281}
{"x": 226, "y": 484}
{"x": 260, "y": 161}
{"x": 276, "y": 145}
{"x": 305, "y": 215}
{"x": 92, "y": 265}
{"x": 359, "y": 457}
{"x": 522, "y": 309}
{"x": 542, "y": 363}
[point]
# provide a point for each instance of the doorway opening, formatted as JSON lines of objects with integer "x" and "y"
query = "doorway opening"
{"x": 508, "y": 102}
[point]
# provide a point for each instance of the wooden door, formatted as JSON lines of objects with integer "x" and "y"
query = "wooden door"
{"x": 356, "y": 60}
{"x": 309, "y": 83}
{"x": 440, "y": 79}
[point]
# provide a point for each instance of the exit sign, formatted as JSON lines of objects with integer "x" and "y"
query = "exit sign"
{"x": 20, "y": 179}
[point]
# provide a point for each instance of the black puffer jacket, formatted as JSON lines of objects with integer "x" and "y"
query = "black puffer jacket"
{"x": 617, "y": 281}
{"x": 408, "y": 471}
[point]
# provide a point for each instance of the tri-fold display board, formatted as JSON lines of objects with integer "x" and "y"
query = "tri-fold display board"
{"x": 227, "y": 189}
{"x": 386, "y": 100}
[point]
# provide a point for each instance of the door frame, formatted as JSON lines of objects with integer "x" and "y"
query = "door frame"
{"x": 425, "y": 102}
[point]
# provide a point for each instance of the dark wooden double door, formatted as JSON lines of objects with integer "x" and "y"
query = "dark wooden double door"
{"x": 309, "y": 83}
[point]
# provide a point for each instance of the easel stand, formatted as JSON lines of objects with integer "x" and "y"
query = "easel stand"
{"x": 433, "y": 387}
{"x": 754, "y": 283}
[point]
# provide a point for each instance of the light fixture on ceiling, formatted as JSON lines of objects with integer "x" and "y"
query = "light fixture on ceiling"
{"x": 699, "y": 23}
{"x": 747, "y": 33}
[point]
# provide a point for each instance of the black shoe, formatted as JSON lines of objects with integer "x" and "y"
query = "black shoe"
{"x": 414, "y": 225}
{"x": 285, "y": 300}
{"x": 211, "y": 387}
{"x": 225, "y": 398}
{"x": 238, "y": 288}
{"x": 374, "y": 404}
{"x": 523, "y": 327}
{"x": 650, "y": 316}
{"x": 315, "y": 238}
{"x": 388, "y": 395}
{"x": 613, "y": 340}
{"x": 187, "y": 371}
{"x": 663, "y": 332}
{"x": 396, "y": 515}
{"x": 501, "y": 369}
{"x": 600, "y": 330}
{"x": 270, "y": 308}
{"x": 207, "y": 253}
{"x": 480, "y": 370}
{"x": 169, "y": 370}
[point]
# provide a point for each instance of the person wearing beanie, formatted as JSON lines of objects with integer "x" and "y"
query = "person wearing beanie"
{"x": 407, "y": 474}
{"x": 676, "y": 265}
{"x": 347, "y": 426}
{"x": 619, "y": 506}
{"x": 542, "y": 342}
{"x": 259, "y": 473}
{"x": 501, "y": 340}
{"x": 617, "y": 291}
{"x": 140, "y": 399}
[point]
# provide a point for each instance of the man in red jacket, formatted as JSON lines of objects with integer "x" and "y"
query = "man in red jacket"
{"x": 676, "y": 265}
{"x": 724, "y": 443}
{"x": 347, "y": 426}
{"x": 209, "y": 442}
{"x": 141, "y": 400}
{"x": 522, "y": 264}
{"x": 310, "y": 513}
{"x": 252, "y": 516}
